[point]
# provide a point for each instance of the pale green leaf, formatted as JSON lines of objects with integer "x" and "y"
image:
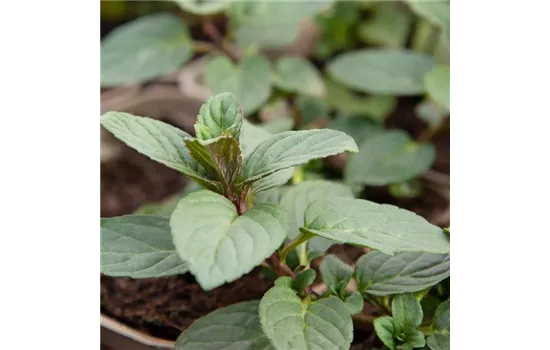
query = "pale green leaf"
{"x": 203, "y": 8}
{"x": 439, "y": 341}
{"x": 220, "y": 246}
{"x": 376, "y": 107}
{"x": 292, "y": 324}
{"x": 381, "y": 274}
{"x": 220, "y": 115}
{"x": 437, "y": 83}
{"x": 158, "y": 141}
{"x": 354, "y": 302}
{"x": 284, "y": 281}
{"x": 138, "y": 246}
{"x": 296, "y": 74}
{"x": 311, "y": 109}
{"x": 144, "y": 48}
{"x": 378, "y": 226}
{"x": 220, "y": 156}
{"x": 385, "y": 329}
{"x": 442, "y": 316}
{"x": 234, "y": 327}
{"x": 388, "y": 157}
{"x": 292, "y": 148}
{"x": 276, "y": 179}
{"x": 251, "y": 136}
{"x": 167, "y": 206}
{"x": 335, "y": 271}
{"x": 382, "y": 71}
{"x": 388, "y": 26}
{"x": 415, "y": 339}
{"x": 249, "y": 81}
{"x": 406, "y": 311}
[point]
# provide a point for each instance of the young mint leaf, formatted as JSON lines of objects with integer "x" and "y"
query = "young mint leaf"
{"x": 220, "y": 115}
{"x": 381, "y": 274}
{"x": 388, "y": 26}
{"x": 415, "y": 339}
{"x": 376, "y": 107}
{"x": 385, "y": 329}
{"x": 276, "y": 179}
{"x": 296, "y": 74}
{"x": 439, "y": 341}
{"x": 250, "y": 81}
{"x": 304, "y": 279}
{"x": 388, "y": 157}
{"x": 354, "y": 302}
{"x": 284, "y": 281}
{"x": 442, "y": 316}
{"x": 335, "y": 271}
{"x": 203, "y": 8}
{"x": 138, "y": 246}
{"x": 221, "y": 157}
{"x": 437, "y": 83}
{"x": 234, "y": 327}
{"x": 158, "y": 141}
{"x": 293, "y": 148}
{"x": 407, "y": 311}
{"x": 219, "y": 245}
{"x": 382, "y": 71}
{"x": 291, "y": 323}
{"x": 144, "y": 48}
{"x": 379, "y": 226}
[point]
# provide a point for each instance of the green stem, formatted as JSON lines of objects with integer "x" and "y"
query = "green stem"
{"x": 302, "y": 237}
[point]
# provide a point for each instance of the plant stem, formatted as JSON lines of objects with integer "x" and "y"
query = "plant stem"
{"x": 302, "y": 237}
{"x": 210, "y": 29}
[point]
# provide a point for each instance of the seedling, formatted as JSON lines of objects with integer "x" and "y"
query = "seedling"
{"x": 245, "y": 217}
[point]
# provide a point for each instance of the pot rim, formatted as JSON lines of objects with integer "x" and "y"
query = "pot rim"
{"x": 134, "y": 334}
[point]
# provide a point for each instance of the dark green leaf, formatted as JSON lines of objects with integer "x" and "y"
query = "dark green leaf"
{"x": 415, "y": 339}
{"x": 442, "y": 316}
{"x": 385, "y": 329}
{"x": 335, "y": 271}
{"x": 381, "y": 274}
{"x": 304, "y": 279}
{"x": 220, "y": 115}
{"x": 296, "y": 74}
{"x": 439, "y": 341}
{"x": 407, "y": 311}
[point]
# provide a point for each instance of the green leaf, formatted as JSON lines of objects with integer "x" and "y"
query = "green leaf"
{"x": 442, "y": 316}
{"x": 388, "y": 26}
{"x": 382, "y": 71}
{"x": 234, "y": 327}
{"x": 145, "y": 48}
{"x": 358, "y": 128}
{"x": 276, "y": 179}
{"x": 249, "y": 81}
{"x": 304, "y": 279}
{"x": 158, "y": 141}
{"x": 378, "y": 226}
{"x": 381, "y": 274}
{"x": 406, "y": 189}
{"x": 293, "y": 148}
{"x": 438, "y": 82}
{"x": 284, "y": 281}
{"x": 220, "y": 115}
{"x": 221, "y": 157}
{"x": 203, "y": 8}
{"x": 335, "y": 271}
{"x": 385, "y": 329}
{"x": 270, "y": 24}
{"x": 291, "y": 323}
{"x": 296, "y": 74}
{"x": 388, "y": 157}
{"x": 138, "y": 246}
{"x": 167, "y": 206}
{"x": 407, "y": 311}
{"x": 354, "y": 302}
{"x": 219, "y": 245}
{"x": 439, "y": 341}
{"x": 415, "y": 339}
{"x": 376, "y": 107}
{"x": 251, "y": 136}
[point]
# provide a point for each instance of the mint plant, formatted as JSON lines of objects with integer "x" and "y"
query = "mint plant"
{"x": 245, "y": 216}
